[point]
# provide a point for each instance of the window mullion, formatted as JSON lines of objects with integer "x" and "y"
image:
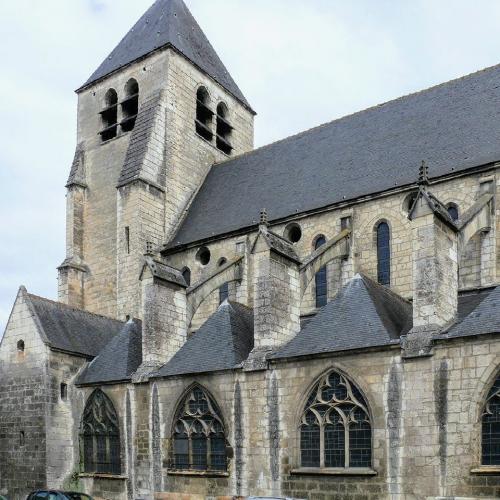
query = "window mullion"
{"x": 322, "y": 445}
{"x": 209, "y": 452}
{"x": 190, "y": 451}
{"x": 346, "y": 444}
{"x": 94, "y": 452}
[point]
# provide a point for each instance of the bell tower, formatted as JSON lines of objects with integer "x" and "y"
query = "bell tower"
{"x": 153, "y": 119}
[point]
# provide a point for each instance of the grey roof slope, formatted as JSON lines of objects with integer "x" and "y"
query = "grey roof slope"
{"x": 454, "y": 126}
{"x": 118, "y": 360}
{"x": 222, "y": 343}
{"x": 168, "y": 23}
{"x": 483, "y": 315}
{"x": 73, "y": 330}
{"x": 363, "y": 314}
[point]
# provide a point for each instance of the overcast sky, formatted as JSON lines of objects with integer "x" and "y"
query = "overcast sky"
{"x": 299, "y": 63}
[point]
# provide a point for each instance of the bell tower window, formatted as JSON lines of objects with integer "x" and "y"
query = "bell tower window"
{"x": 109, "y": 116}
{"x": 224, "y": 129}
{"x": 204, "y": 114}
{"x": 130, "y": 105}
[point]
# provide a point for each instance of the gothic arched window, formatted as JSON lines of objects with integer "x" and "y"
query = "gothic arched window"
{"x": 109, "y": 116}
{"x": 100, "y": 435}
{"x": 199, "y": 441}
{"x": 383, "y": 253}
{"x": 321, "y": 278}
{"x": 491, "y": 426}
{"x": 335, "y": 430}
{"x": 130, "y": 105}
{"x": 203, "y": 114}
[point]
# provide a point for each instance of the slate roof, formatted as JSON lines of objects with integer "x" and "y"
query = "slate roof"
{"x": 223, "y": 342}
{"x": 77, "y": 172}
{"x": 168, "y": 23}
{"x": 164, "y": 271}
{"x": 453, "y": 126}
{"x": 72, "y": 330}
{"x": 118, "y": 360}
{"x": 483, "y": 314}
{"x": 363, "y": 314}
{"x": 278, "y": 244}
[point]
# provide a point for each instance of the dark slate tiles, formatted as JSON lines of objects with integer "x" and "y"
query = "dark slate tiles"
{"x": 169, "y": 23}
{"x": 454, "y": 126}
{"x": 73, "y": 330}
{"x": 363, "y": 314}
{"x": 222, "y": 343}
{"x": 484, "y": 315}
{"x": 118, "y": 360}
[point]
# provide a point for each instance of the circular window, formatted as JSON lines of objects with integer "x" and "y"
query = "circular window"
{"x": 203, "y": 256}
{"x": 293, "y": 232}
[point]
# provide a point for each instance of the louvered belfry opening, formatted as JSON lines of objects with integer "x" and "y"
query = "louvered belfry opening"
{"x": 100, "y": 436}
{"x": 109, "y": 116}
{"x": 203, "y": 114}
{"x": 224, "y": 129}
{"x": 130, "y": 105}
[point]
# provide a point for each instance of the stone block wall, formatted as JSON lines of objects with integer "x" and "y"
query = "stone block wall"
{"x": 23, "y": 405}
{"x": 365, "y": 214}
{"x": 140, "y": 221}
{"x": 111, "y": 286}
{"x": 63, "y": 419}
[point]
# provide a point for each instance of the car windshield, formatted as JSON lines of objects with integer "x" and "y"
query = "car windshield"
{"x": 77, "y": 496}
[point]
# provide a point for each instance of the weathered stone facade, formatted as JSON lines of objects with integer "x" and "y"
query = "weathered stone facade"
{"x": 422, "y": 352}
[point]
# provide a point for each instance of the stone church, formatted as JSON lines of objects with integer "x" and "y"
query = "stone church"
{"x": 318, "y": 318}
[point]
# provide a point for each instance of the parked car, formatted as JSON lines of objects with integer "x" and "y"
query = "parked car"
{"x": 57, "y": 495}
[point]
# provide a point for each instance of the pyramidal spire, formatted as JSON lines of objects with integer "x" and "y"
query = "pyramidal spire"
{"x": 168, "y": 23}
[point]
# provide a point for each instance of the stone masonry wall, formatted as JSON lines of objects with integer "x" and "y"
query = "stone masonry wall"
{"x": 23, "y": 405}
{"x": 392, "y": 208}
{"x": 63, "y": 420}
{"x": 140, "y": 220}
{"x": 187, "y": 161}
{"x": 425, "y": 419}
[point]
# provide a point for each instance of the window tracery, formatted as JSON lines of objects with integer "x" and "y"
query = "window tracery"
{"x": 100, "y": 435}
{"x": 199, "y": 441}
{"x": 491, "y": 426}
{"x": 335, "y": 430}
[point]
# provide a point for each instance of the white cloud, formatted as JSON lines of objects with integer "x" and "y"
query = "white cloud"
{"x": 300, "y": 63}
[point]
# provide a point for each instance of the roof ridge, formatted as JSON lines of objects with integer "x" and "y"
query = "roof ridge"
{"x": 66, "y": 306}
{"x": 355, "y": 113}
{"x": 384, "y": 289}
